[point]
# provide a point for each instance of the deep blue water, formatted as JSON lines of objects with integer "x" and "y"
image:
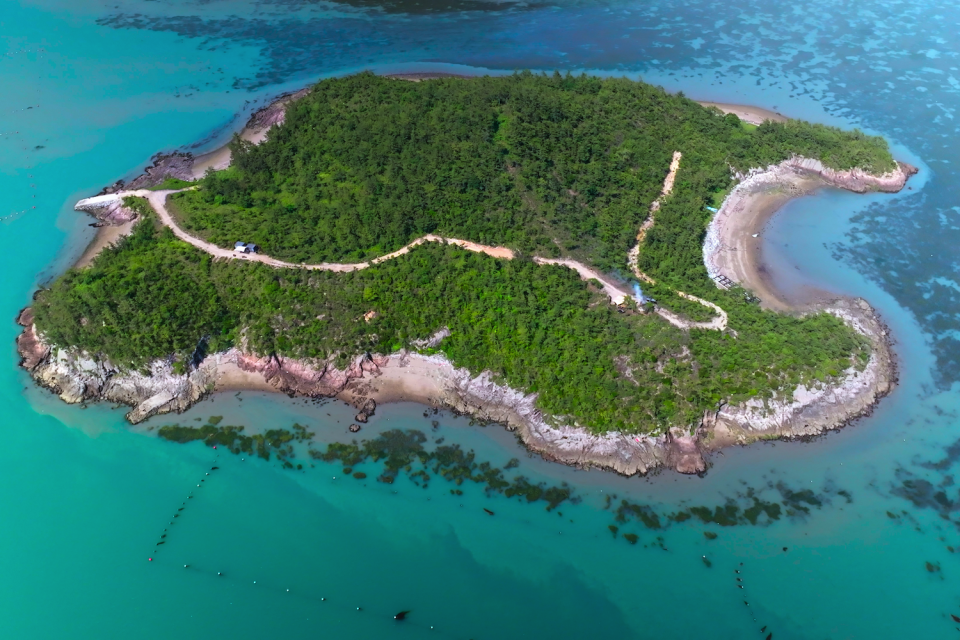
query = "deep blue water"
{"x": 89, "y": 90}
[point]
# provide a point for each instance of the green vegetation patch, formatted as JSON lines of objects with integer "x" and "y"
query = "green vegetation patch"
{"x": 548, "y": 164}
{"x": 172, "y": 184}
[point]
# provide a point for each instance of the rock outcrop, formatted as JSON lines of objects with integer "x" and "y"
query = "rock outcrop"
{"x": 108, "y": 209}
{"x": 856, "y": 180}
{"x": 813, "y": 410}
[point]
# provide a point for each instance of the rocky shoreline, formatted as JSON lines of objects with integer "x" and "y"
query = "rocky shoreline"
{"x": 432, "y": 380}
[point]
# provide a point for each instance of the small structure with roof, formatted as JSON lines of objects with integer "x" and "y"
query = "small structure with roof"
{"x": 245, "y": 247}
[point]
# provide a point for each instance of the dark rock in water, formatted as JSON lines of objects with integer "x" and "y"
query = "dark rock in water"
{"x": 361, "y": 417}
{"x": 401, "y": 616}
{"x": 163, "y": 165}
{"x": 354, "y": 427}
{"x": 367, "y": 405}
{"x": 933, "y": 567}
{"x": 784, "y": 549}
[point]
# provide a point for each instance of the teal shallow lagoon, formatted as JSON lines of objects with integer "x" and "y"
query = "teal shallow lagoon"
{"x": 85, "y": 497}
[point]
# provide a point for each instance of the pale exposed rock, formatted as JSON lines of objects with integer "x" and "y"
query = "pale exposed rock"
{"x": 434, "y": 340}
{"x": 816, "y": 409}
{"x": 108, "y": 209}
{"x": 856, "y": 180}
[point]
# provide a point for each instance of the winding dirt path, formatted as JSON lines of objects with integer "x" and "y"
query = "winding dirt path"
{"x": 617, "y": 294}
{"x": 720, "y": 322}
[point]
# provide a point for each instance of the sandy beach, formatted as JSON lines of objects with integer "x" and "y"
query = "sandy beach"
{"x": 219, "y": 159}
{"x": 740, "y": 256}
{"x": 733, "y": 247}
{"x": 106, "y": 235}
{"x": 747, "y": 113}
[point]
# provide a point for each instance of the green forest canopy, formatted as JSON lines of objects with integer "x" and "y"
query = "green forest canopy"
{"x": 547, "y": 165}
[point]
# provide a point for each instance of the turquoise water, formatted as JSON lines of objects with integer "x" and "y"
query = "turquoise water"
{"x": 85, "y": 497}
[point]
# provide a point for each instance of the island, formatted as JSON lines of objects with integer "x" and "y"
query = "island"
{"x": 573, "y": 257}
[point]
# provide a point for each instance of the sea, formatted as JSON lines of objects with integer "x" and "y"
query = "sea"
{"x": 864, "y": 541}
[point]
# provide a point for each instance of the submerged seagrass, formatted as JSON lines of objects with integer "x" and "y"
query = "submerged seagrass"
{"x": 548, "y": 166}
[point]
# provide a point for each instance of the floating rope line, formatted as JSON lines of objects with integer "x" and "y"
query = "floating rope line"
{"x": 162, "y": 539}
{"x": 13, "y": 216}
{"x": 738, "y": 572}
{"x": 407, "y": 617}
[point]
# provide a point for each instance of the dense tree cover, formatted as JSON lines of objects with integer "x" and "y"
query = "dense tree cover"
{"x": 538, "y": 328}
{"x": 547, "y": 164}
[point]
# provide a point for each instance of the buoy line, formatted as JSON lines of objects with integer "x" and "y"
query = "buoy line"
{"x": 166, "y": 531}
{"x": 407, "y": 617}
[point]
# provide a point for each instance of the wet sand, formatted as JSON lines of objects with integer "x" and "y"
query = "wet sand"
{"x": 106, "y": 236}
{"x": 219, "y": 159}
{"x": 740, "y": 255}
{"x": 231, "y": 377}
